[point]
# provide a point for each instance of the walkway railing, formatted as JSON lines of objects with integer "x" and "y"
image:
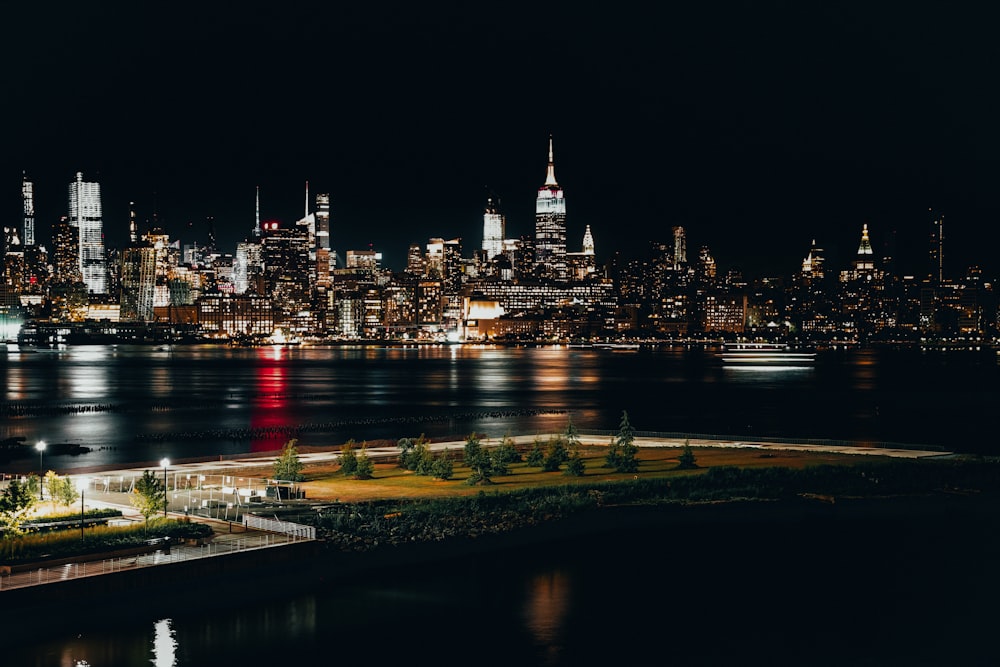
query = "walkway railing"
{"x": 294, "y": 530}
{"x": 176, "y": 554}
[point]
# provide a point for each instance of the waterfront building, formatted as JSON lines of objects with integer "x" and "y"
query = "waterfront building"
{"x": 86, "y": 215}
{"x": 138, "y": 282}
{"x": 285, "y": 253}
{"x": 235, "y": 315}
{"x": 725, "y": 313}
{"x": 550, "y": 227}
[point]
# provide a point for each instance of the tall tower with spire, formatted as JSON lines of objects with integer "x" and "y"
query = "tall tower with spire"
{"x": 550, "y": 227}
{"x": 866, "y": 256}
{"x": 256, "y": 227}
{"x": 588, "y": 242}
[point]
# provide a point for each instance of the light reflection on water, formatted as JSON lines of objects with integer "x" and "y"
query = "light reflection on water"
{"x": 151, "y": 404}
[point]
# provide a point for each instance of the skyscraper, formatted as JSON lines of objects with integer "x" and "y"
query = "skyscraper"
{"x": 935, "y": 270}
{"x": 28, "y": 198}
{"x": 550, "y": 227}
{"x": 493, "y": 228}
{"x": 680, "y": 248}
{"x": 85, "y": 214}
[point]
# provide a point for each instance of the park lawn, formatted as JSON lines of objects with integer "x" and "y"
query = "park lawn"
{"x": 390, "y": 481}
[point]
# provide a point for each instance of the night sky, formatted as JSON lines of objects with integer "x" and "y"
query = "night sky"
{"x": 758, "y": 126}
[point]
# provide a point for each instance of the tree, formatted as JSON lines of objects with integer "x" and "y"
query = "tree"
{"x": 365, "y": 467}
{"x": 478, "y": 461}
{"x": 16, "y": 502}
{"x": 405, "y": 447}
{"x": 537, "y": 455}
{"x": 348, "y": 458}
{"x": 686, "y": 461}
{"x": 622, "y": 451}
{"x": 507, "y": 451}
{"x": 575, "y": 465}
{"x": 556, "y": 454}
{"x": 149, "y": 496}
{"x": 61, "y": 489}
{"x": 288, "y": 466}
{"x": 443, "y": 467}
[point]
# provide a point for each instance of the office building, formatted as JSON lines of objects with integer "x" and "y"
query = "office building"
{"x": 550, "y": 227}
{"x": 85, "y": 214}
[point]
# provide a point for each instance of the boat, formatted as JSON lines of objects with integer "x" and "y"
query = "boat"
{"x": 778, "y": 354}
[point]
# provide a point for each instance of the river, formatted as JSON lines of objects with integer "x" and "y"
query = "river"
{"x": 865, "y": 592}
{"x": 131, "y": 404}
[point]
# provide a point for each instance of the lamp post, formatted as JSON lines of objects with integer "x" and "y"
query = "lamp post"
{"x": 40, "y": 446}
{"x": 81, "y": 486}
{"x": 165, "y": 463}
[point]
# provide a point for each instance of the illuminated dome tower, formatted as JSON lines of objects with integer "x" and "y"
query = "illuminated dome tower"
{"x": 550, "y": 227}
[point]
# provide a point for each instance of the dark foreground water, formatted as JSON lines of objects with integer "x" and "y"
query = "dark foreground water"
{"x": 882, "y": 590}
{"x": 134, "y": 404}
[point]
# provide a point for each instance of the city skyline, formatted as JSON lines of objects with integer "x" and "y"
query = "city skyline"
{"x": 758, "y": 129}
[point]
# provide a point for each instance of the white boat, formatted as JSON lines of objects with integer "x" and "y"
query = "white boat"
{"x": 781, "y": 354}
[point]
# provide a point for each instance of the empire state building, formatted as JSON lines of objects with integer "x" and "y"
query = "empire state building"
{"x": 550, "y": 227}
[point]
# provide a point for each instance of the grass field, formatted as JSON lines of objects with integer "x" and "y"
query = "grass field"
{"x": 390, "y": 481}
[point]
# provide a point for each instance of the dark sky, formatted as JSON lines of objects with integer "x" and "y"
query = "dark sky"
{"x": 758, "y": 126}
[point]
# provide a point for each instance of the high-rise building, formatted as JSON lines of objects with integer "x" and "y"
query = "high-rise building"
{"x": 323, "y": 254}
{"x": 66, "y": 252}
{"x": 680, "y": 248}
{"x": 85, "y": 214}
{"x": 323, "y": 221}
{"x": 138, "y": 282}
{"x": 248, "y": 267}
{"x": 588, "y": 242}
{"x": 865, "y": 261}
{"x": 935, "y": 269}
{"x": 285, "y": 253}
{"x": 257, "y": 232}
{"x": 494, "y": 228}
{"x": 550, "y": 227}
{"x": 28, "y": 198}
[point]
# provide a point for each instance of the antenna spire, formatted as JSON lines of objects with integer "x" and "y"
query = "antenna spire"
{"x": 256, "y": 227}
{"x": 550, "y": 172}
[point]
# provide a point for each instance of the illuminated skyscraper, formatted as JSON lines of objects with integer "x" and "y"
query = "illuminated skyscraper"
{"x": 28, "y": 198}
{"x": 323, "y": 254}
{"x": 935, "y": 270}
{"x": 550, "y": 227}
{"x": 588, "y": 242}
{"x": 493, "y": 228}
{"x": 85, "y": 214}
{"x": 866, "y": 256}
{"x": 680, "y": 248}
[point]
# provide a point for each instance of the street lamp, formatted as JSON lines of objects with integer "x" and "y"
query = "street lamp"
{"x": 40, "y": 446}
{"x": 165, "y": 463}
{"x": 81, "y": 486}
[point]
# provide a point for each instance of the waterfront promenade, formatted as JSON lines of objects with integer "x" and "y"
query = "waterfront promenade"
{"x": 232, "y": 495}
